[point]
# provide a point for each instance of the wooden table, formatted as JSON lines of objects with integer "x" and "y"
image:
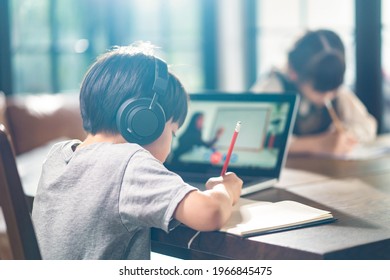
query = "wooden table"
{"x": 356, "y": 192}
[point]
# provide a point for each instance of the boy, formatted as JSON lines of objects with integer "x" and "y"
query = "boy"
{"x": 316, "y": 69}
{"x": 98, "y": 199}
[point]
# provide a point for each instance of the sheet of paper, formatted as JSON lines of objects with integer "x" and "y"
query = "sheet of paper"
{"x": 365, "y": 152}
{"x": 290, "y": 177}
{"x": 368, "y": 152}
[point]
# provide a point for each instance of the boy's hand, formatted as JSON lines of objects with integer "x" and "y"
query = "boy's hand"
{"x": 219, "y": 133}
{"x": 231, "y": 182}
{"x": 338, "y": 143}
{"x": 210, "y": 209}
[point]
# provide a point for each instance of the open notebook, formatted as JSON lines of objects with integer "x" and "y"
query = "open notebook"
{"x": 252, "y": 217}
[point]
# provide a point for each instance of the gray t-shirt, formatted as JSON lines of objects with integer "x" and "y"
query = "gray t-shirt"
{"x": 100, "y": 201}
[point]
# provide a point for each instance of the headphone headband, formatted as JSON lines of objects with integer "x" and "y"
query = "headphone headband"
{"x": 161, "y": 77}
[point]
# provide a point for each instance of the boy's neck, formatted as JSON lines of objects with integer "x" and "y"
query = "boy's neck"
{"x": 102, "y": 138}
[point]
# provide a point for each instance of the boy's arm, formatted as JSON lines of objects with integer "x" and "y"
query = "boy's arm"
{"x": 355, "y": 116}
{"x": 209, "y": 210}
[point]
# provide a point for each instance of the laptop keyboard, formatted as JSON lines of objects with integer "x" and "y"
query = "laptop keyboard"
{"x": 198, "y": 179}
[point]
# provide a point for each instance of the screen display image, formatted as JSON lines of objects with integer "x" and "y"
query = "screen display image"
{"x": 207, "y": 132}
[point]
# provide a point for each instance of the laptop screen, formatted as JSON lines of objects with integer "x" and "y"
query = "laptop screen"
{"x": 203, "y": 141}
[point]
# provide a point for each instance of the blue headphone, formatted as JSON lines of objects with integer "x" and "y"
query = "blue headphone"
{"x": 143, "y": 120}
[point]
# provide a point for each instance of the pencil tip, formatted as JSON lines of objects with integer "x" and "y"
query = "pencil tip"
{"x": 238, "y": 125}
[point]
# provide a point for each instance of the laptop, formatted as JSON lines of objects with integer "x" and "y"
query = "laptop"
{"x": 200, "y": 147}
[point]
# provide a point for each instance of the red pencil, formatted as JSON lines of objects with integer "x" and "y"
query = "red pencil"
{"x": 229, "y": 153}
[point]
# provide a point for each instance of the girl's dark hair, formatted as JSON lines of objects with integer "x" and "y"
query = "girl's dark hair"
{"x": 121, "y": 74}
{"x": 319, "y": 58}
{"x": 194, "y": 119}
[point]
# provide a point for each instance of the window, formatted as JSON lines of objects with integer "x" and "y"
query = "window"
{"x": 175, "y": 27}
{"x": 280, "y": 22}
{"x": 54, "y": 41}
{"x": 386, "y": 60}
{"x": 31, "y": 55}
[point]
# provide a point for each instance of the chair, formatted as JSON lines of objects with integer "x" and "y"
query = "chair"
{"x": 20, "y": 229}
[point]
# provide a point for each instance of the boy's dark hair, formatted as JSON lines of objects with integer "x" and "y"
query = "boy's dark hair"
{"x": 319, "y": 58}
{"x": 121, "y": 74}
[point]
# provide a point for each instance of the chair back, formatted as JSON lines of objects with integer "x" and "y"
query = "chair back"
{"x": 17, "y": 216}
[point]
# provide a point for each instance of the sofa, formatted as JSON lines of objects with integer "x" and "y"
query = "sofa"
{"x": 35, "y": 123}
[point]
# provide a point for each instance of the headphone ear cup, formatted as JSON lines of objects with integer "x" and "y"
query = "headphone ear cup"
{"x": 138, "y": 123}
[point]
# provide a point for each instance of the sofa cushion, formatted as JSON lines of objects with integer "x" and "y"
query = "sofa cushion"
{"x": 35, "y": 120}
